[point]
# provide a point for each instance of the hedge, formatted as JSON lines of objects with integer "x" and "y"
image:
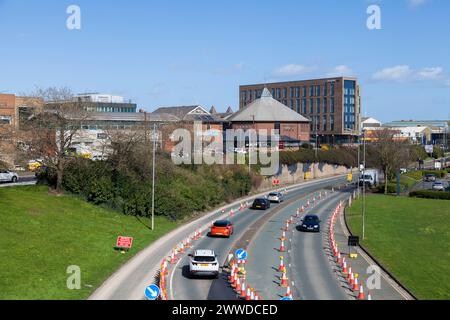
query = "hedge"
{"x": 430, "y": 194}
{"x": 437, "y": 173}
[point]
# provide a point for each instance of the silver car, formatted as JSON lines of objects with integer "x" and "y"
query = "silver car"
{"x": 438, "y": 186}
{"x": 275, "y": 197}
{"x": 8, "y": 176}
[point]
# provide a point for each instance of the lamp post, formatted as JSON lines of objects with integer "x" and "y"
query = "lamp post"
{"x": 364, "y": 186}
{"x": 153, "y": 175}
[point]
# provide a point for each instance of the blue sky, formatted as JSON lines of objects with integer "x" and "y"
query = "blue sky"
{"x": 198, "y": 52}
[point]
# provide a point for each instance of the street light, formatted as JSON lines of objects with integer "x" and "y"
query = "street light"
{"x": 153, "y": 175}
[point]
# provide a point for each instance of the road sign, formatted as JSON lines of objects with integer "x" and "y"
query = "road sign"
{"x": 241, "y": 254}
{"x": 429, "y": 148}
{"x": 152, "y": 292}
{"x": 353, "y": 241}
{"x": 286, "y": 298}
{"x": 124, "y": 242}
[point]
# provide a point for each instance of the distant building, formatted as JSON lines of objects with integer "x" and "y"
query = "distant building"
{"x": 107, "y": 103}
{"x": 332, "y": 104}
{"x": 439, "y": 129}
{"x": 268, "y": 113}
{"x": 368, "y": 122}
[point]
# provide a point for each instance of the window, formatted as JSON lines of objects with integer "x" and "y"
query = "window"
{"x": 284, "y": 93}
{"x": 311, "y": 91}
{"x": 311, "y": 106}
{"x": 324, "y": 122}
{"x": 278, "y": 93}
{"x": 291, "y": 92}
{"x": 332, "y": 88}
{"x": 297, "y": 105}
{"x": 325, "y": 105}
{"x": 273, "y": 93}
{"x": 325, "y": 89}
{"x": 304, "y": 106}
{"x": 332, "y": 123}
{"x": 332, "y": 105}
{"x": 318, "y": 91}
{"x": 297, "y": 92}
{"x": 318, "y": 105}
{"x": 304, "y": 91}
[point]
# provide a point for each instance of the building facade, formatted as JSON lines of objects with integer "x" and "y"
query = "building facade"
{"x": 333, "y": 105}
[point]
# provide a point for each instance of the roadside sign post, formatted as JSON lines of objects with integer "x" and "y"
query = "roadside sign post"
{"x": 353, "y": 241}
{"x": 124, "y": 243}
{"x": 241, "y": 254}
{"x": 152, "y": 292}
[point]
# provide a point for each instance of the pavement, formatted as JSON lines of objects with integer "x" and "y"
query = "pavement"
{"x": 129, "y": 282}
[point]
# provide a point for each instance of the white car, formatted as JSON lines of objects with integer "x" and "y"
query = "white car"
{"x": 275, "y": 197}
{"x": 8, "y": 176}
{"x": 438, "y": 186}
{"x": 204, "y": 262}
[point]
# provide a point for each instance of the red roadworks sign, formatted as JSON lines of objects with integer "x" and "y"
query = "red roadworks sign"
{"x": 124, "y": 242}
{"x": 276, "y": 182}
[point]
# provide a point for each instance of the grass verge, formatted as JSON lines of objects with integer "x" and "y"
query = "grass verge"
{"x": 411, "y": 238}
{"x": 42, "y": 234}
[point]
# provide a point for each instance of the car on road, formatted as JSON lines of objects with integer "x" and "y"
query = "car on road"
{"x": 438, "y": 186}
{"x": 204, "y": 262}
{"x": 310, "y": 222}
{"x": 261, "y": 204}
{"x": 222, "y": 228}
{"x": 429, "y": 177}
{"x": 8, "y": 176}
{"x": 275, "y": 197}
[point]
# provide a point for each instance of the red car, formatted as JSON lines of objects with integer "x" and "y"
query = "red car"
{"x": 221, "y": 228}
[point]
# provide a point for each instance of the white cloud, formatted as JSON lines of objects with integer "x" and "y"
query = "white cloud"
{"x": 396, "y": 73}
{"x": 291, "y": 70}
{"x": 341, "y": 70}
{"x": 402, "y": 73}
{"x": 416, "y": 3}
{"x": 430, "y": 73}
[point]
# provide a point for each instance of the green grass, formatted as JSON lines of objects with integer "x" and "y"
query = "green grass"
{"x": 42, "y": 234}
{"x": 411, "y": 238}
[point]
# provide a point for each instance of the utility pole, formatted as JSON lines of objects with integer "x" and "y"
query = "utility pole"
{"x": 249, "y": 145}
{"x": 153, "y": 176}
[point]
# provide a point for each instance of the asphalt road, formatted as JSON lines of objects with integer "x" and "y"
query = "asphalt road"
{"x": 184, "y": 288}
{"x": 23, "y": 181}
{"x": 129, "y": 282}
{"x": 309, "y": 271}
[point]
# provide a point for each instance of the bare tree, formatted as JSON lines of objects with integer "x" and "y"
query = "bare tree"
{"x": 389, "y": 153}
{"x": 49, "y": 132}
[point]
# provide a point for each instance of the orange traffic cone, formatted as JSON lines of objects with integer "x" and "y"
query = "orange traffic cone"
{"x": 349, "y": 273}
{"x": 352, "y": 279}
{"x": 283, "y": 236}
{"x": 256, "y": 296}
{"x": 286, "y": 228}
{"x": 281, "y": 268}
{"x": 248, "y": 295}
{"x": 288, "y": 293}
{"x": 303, "y": 209}
{"x": 252, "y": 294}
{"x": 238, "y": 285}
{"x": 188, "y": 243}
{"x": 282, "y": 246}
{"x": 339, "y": 257}
{"x": 182, "y": 248}
{"x": 297, "y": 215}
{"x": 233, "y": 284}
{"x": 344, "y": 268}
{"x": 291, "y": 221}
{"x": 230, "y": 277}
{"x": 172, "y": 258}
{"x": 355, "y": 285}
{"x": 243, "y": 292}
{"x": 284, "y": 280}
{"x": 361, "y": 292}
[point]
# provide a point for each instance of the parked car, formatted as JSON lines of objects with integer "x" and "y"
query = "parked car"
{"x": 261, "y": 204}
{"x": 310, "y": 222}
{"x": 275, "y": 197}
{"x": 438, "y": 186}
{"x": 204, "y": 262}
{"x": 8, "y": 176}
{"x": 222, "y": 228}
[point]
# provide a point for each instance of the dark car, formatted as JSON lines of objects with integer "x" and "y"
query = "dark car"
{"x": 310, "y": 222}
{"x": 261, "y": 204}
{"x": 429, "y": 177}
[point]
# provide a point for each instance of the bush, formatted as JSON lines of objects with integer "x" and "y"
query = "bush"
{"x": 391, "y": 188}
{"x": 430, "y": 194}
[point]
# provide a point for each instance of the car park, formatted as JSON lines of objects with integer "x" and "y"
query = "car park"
{"x": 222, "y": 228}
{"x": 261, "y": 204}
{"x": 8, "y": 176}
{"x": 310, "y": 222}
{"x": 204, "y": 262}
{"x": 275, "y": 197}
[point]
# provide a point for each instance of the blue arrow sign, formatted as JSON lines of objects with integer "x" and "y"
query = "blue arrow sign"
{"x": 241, "y": 254}
{"x": 285, "y": 298}
{"x": 152, "y": 292}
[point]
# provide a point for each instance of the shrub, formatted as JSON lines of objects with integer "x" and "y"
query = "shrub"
{"x": 437, "y": 173}
{"x": 391, "y": 188}
{"x": 430, "y": 194}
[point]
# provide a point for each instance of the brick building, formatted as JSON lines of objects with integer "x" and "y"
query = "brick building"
{"x": 332, "y": 104}
{"x": 267, "y": 113}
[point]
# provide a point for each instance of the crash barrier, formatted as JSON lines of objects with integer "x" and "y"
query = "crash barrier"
{"x": 351, "y": 278}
